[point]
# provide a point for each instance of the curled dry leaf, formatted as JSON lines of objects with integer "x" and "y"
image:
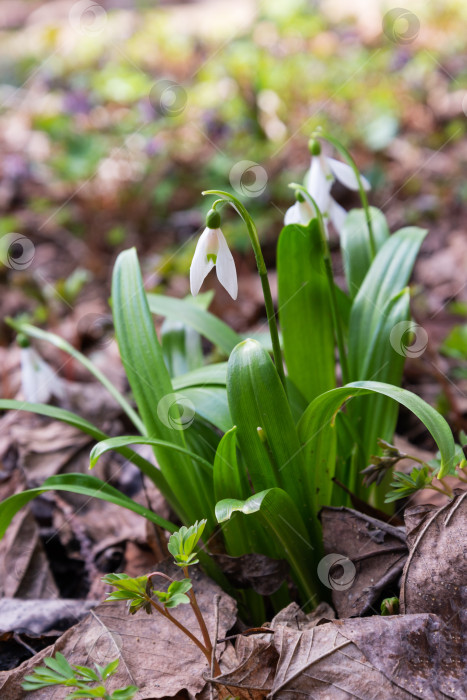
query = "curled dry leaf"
{"x": 376, "y": 552}
{"x": 154, "y": 654}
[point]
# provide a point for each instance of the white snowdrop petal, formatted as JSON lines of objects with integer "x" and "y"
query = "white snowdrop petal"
{"x": 225, "y": 267}
{"x": 318, "y": 183}
{"x": 346, "y": 176}
{"x": 337, "y": 214}
{"x": 200, "y": 265}
{"x": 292, "y": 215}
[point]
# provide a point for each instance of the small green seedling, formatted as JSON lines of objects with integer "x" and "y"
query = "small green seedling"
{"x": 141, "y": 594}
{"x": 57, "y": 671}
{"x": 390, "y": 606}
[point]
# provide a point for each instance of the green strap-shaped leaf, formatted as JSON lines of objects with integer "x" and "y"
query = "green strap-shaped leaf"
{"x": 149, "y": 379}
{"x": 387, "y": 276}
{"x": 114, "y": 443}
{"x": 60, "y": 414}
{"x": 209, "y": 375}
{"x": 355, "y": 244}
{"x": 208, "y": 325}
{"x": 278, "y": 513}
{"x": 257, "y": 400}
{"x": 318, "y": 420}
{"x": 209, "y": 402}
{"x": 230, "y": 481}
{"x": 181, "y": 347}
{"x": 305, "y": 309}
{"x": 375, "y": 417}
{"x": 77, "y": 483}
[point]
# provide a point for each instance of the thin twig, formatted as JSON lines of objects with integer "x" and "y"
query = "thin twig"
{"x": 214, "y": 646}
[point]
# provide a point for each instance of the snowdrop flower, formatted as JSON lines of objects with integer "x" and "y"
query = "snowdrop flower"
{"x": 38, "y": 380}
{"x": 320, "y": 178}
{"x": 299, "y": 213}
{"x": 212, "y": 250}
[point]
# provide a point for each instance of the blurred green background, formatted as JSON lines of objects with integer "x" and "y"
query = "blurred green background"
{"x": 114, "y": 116}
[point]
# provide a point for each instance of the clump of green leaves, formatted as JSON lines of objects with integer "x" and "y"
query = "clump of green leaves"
{"x": 182, "y": 543}
{"x": 57, "y": 671}
{"x": 139, "y": 592}
{"x": 428, "y": 476}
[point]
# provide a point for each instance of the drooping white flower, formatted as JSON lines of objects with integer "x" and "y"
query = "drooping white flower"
{"x": 299, "y": 213}
{"x": 38, "y": 380}
{"x": 212, "y": 250}
{"x": 319, "y": 179}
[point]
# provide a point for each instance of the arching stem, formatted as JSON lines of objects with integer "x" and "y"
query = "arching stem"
{"x": 263, "y": 273}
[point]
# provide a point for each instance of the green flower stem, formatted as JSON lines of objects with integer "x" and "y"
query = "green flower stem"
{"x": 346, "y": 155}
{"x": 338, "y": 329}
{"x": 263, "y": 273}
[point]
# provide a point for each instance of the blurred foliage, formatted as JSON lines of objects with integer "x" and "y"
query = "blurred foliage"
{"x": 82, "y": 121}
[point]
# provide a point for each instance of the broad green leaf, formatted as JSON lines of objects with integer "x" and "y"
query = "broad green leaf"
{"x": 181, "y": 347}
{"x": 62, "y": 344}
{"x": 149, "y": 379}
{"x": 387, "y": 276}
{"x": 278, "y": 513}
{"x": 60, "y": 414}
{"x": 210, "y": 403}
{"x": 231, "y": 481}
{"x": 125, "y": 440}
{"x": 375, "y": 417}
{"x": 215, "y": 374}
{"x": 207, "y": 325}
{"x": 257, "y": 400}
{"x": 355, "y": 244}
{"x": 77, "y": 483}
{"x": 305, "y": 309}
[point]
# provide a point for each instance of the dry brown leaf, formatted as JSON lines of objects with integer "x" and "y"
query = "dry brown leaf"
{"x": 24, "y": 567}
{"x": 255, "y": 668}
{"x": 373, "y": 554}
{"x": 257, "y": 571}
{"x": 154, "y": 654}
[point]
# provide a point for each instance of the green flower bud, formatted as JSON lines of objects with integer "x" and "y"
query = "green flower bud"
{"x": 213, "y": 219}
{"x": 314, "y": 147}
{"x": 22, "y": 340}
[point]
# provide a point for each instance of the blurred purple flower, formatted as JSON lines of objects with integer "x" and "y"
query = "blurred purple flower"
{"x": 76, "y": 102}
